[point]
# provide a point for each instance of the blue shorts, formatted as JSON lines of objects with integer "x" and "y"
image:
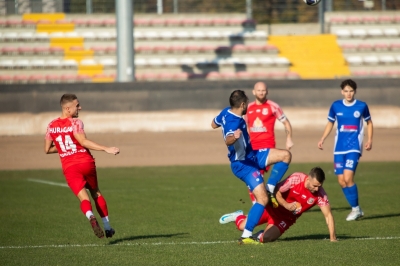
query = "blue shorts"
{"x": 247, "y": 171}
{"x": 262, "y": 157}
{"x": 347, "y": 161}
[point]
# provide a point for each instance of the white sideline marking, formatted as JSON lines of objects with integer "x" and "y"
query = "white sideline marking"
{"x": 47, "y": 182}
{"x": 162, "y": 244}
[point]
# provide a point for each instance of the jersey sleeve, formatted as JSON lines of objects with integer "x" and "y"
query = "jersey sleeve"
{"x": 366, "y": 114}
{"x": 332, "y": 114}
{"x": 230, "y": 126}
{"x": 48, "y": 136}
{"x": 322, "y": 198}
{"x": 289, "y": 182}
{"x": 77, "y": 126}
{"x": 277, "y": 111}
{"x": 218, "y": 119}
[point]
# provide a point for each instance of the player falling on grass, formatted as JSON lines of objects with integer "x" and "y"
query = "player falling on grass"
{"x": 66, "y": 136}
{"x": 349, "y": 114}
{"x": 296, "y": 194}
{"x": 245, "y": 162}
{"x": 260, "y": 118}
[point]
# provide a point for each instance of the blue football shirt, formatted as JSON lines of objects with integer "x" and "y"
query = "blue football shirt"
{"x": 230, "y": 122}
{"x": 350, "y": 125}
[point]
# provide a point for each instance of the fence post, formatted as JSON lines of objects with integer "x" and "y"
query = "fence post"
{"x": 321, "y": 16}
{"x": 159, "y": 7}
{"x": 89, "y": 7}
{"x": 249, "y": 10}
{"x": 176, "y": 6}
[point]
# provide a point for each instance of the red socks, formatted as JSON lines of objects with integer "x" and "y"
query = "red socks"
{"x": 239, "y": 220}
{"x": 86, "y": 206}
{"x": 101, "y": 206}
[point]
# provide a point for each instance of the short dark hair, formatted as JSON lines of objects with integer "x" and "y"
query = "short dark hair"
{"x": 317, "y": 173}
{"x": 66, "y": 98}
{"x": 350, "y": 83}
{"x": 237, "y": 98}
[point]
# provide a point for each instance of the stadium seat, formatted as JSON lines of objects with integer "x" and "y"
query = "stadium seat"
{"x": 10, "y": 36}
{"x": 396, "y": 19}
{"x": 22, "y": 64}
{"x": 281, "y": 61}
{"x": 148, "y": 77}
{"x": 189, "y": 22}
{"x": 266, "y": 61}
{"x": 182, "y": 35}
{"x": 393, "y": 73}
{"x": 95, "y": 23}
{"x": 191, "y": 49}
{"x": 374, "y": 33}
{"x": 381, "y": 47}
{"x": 391, "y": 32}
{"x": 276, "y": 75}
{"x": 242, "y": 75}
{"x": 9, "y": 50}
{"x": 378, "y": 73}
{"x": 239, "y": 48}
{"x": 138, "y": 35}
{"x": 69, "y": 64}
{"x": 292, "y": 75}
{"x": 108, "y": 62}
{"x": 354, "y": 60}
{"x": 111, "y": 49}
{"x": 223, "y": 49}
{"x": 385, "y": 19}
{"x": 14, "y": 23}
{"x": 145, "y": 49}
{"x": 57, "y": 34}
{"x": 364, "y": 47}
{"x": 228, "y": 76}
{"x": 52, "y": 63}
{"x": 36, "y": 78}
{"x": 343, "y": 33}
{"x": 207, "y": 48}
{"x": 62, "y": 21}
{"x": 37, "y": 63}
{"x": 20, "y": 79}
{"x": 387, "y": 59}
{"x": 25, "y": 50}
{"x": 349, "y": 47}
{"x": 68, "y": 78}
{"x": 80, "y": 23}
{"x": 219, "y": 22}
{"x": 186, "y": 61}
{"x": 156, "y": 22}
{"x": 394, "y": 46}
{"x": 56, "y": 50}
{"x": 359, "y": 33}
{"x": 256, "y": 48}
{"x": 104, "y": 36}
{"x": 261, "y": 75}
{"x": 213, "y": 75}
{"x": 337, "y": 20}
{"x": 353, "y": 20}
{"x": 180, "y": 76}
{"x": 197, "y": 35}
{"x": 141, "y": 22}
{"x": 6, "y": 64}
{"x": 71, "y": 34}
{"x": 250, "y": 61}
{"x": 151, "y": 35}
{"x": 214, "y": 35}
{"x": 3, "y": 23}
{"x": 167, "y": 35}
{"x": 88, "y": 62}
{"x": 360, "y": 73}
{"x": 110, "y": 22}
{"x": 371, "y": 60}
{"x": 88, "y": 35}
{"x": 6, "y": 79}
{"x": 53, "y": 78}
{"x": 99, "y": 50}
{"x": 369, "y": 20}
{"x": 140, "y": 62}
{"x": 171, "y": 62}
{"x": 204, "y": 22}
{"x": 43, "y": 21}
{"x": 41, "y": 37}
{"x": 82, "y": 78}
{"x": 165, "y": 76}
{"x": 172, "y": 22}
{"x": 26, "y": 36}
{"x": 259, "y": 34}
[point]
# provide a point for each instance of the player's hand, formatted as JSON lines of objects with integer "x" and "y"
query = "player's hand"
{"x": 289, "y": 144}
{"x": 320, "y": 144}
{"x": 368, "y": 145}
{"x": 112, "y": 150}
{"x": 237, "y": 133}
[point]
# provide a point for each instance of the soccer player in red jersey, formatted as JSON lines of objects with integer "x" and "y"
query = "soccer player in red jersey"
{"x": 296, "y": 194}
{"x": 260, "y": 118}
{"x": 66, "y": 136}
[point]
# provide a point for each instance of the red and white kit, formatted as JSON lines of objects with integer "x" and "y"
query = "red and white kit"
{"x": 261, "y": 122}
{"x": 77, "y": 162}
{"x": 293, "y": 190}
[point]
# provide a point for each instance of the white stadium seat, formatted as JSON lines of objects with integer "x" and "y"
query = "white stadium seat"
{"x": 182, "y": 35}
{"x": 371, "y": 60}
{"x": 375, "y": 33}
{"x": 69, "y": 63}
{"x": 41, "y": 36}
{"x": 21, "y": 63}
{"x": 53, "y": 63}
{"x": 171, "y": 62}
{"x": 166, "y": 35}
{"x": 214, "y": 35}
{"x": 359, "y": 33}
{"x": 265, "y": 61}
{"x": 155, "y": 62}
{"x": 198, "y": 35}
{"x": 88, "y": 62}
{"x": 37, "y": 63}
{"x": 281, "y": 61}
{"x": 186, "y": 61}
{"x": 88, "y": 35}
{"x": 6, "y": 64}
{"x": 354, "y": 60}
{"x": 57, "y": 34}
{"x": 108, "y": 62}
{"x": 391, "y": 32}
{"x": 26, "y": 36}
{"x": 259, "y": 34}
{"x": 387, "y": 59}
{"x": 140, "y": 62}
{"x": 343, "y": 33}
{"x": 151, "y": 35}
{"x": 250, "y": 61}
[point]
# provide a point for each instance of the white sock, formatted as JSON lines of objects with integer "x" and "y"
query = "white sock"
{"x": 355, "y": 208}
{"x": 106, "y": 223}
{"x": 246, "y": 233}
{"x": 88, "y": 214}
{"x": 270, "y": 188}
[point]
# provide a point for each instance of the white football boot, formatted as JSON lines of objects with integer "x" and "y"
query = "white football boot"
{"x": 355, "y": 215}
{"x": 230, "y": 217}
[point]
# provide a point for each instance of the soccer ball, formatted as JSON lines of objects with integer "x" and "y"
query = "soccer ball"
{"x": 312, "y": 2}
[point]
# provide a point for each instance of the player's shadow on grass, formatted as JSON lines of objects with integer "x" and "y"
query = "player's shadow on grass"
{"x": 131, "y": 238}
{"x": 380, "y": 216}
{"x": 318, "y": 237}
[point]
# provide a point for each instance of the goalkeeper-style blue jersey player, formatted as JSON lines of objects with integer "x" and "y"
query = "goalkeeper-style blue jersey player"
{"x": 245, "y": 162}
{"x": 350, "y": 115}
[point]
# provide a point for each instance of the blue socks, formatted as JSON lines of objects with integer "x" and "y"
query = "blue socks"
{"x": 254, "y": 216}
{"x": 351, "y": 194}
{"x": 278, "y": 171}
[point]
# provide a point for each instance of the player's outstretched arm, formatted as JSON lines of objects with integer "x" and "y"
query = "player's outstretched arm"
{"x": 328, "y": 129}
{"x": 370, "y": 129}
{"x": 330, "y": 222}
{"x": 49, "y": 147}
{"x": 81, "y": 138}
{"x": 213, "y": 125}
{"x": 288, "y": 131}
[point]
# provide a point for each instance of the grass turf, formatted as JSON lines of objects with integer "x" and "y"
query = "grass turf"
{"x": 169, "y": 216}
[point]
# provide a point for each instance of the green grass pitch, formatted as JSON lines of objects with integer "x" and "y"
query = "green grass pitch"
{"x": 169, "y": 216}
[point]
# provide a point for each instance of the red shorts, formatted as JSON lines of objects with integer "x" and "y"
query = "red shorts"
{"x": 81, "y": 176}
{"x": 269, "y": 217}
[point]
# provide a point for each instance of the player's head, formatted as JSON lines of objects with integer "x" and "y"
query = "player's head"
{"x": 315, "y": 179}
{"x": 349, "y": 88}
{"x": 238, "y": 99}
{"x": 260, "y": 91}
{"x": 70, "y": 105}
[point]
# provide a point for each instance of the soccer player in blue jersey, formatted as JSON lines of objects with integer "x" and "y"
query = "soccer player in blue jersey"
{"x": 350, "y": 115}
{"x": 245, "y": 162}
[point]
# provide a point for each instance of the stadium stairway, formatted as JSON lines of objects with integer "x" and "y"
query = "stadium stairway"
{"x": 312, "y": 56}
